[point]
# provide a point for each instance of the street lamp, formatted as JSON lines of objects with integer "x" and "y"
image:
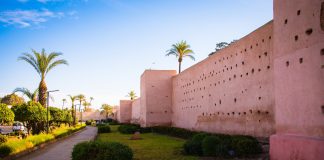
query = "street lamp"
{"x": 48, "y": 94}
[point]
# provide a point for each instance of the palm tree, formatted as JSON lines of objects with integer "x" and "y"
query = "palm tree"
{"x": 31, "y": 95}
{"x": 106, "y": 109}
{"x": 81, "y": 98}
{"x": 181, "y": 50}
{"x": 131, "y": 94}
{"x": 73, "y": 98}
{"x": 42, "y": 63}
{"x": 86, "y": 105}
{"x": 91, "y": 99}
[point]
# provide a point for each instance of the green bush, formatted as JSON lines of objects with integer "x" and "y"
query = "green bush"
{"x": 104, "y": 129}
{"x": 194, "y": 145}
{"x": 6, "y": 114}
{"x": 97, "y": 150}
{"x": 5, "y": 150}
{"x": 173, "y": 131}
{"x": 3, "y": 139}
{"x": 89, "y": 122}
{"x": 215, "y": 146}
{"x": 245, "y": 145}
{"x": 128, "y": 128}
{"x": 113, "y": 122}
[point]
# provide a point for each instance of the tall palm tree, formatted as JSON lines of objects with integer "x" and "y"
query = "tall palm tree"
{"x": 86, "y": 106}
{"x": 31, "y": 95}
{"x": 73, "y": 98}
{"x": 42, "y": 63}
{"x": 106, "y": 109}
{"x": 91, "y": 99}
{"x": 81, "y": 98}
{"x": 131, "y": 94}
{"x": 181, "y": 50}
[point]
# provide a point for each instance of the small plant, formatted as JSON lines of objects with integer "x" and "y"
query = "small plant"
{"x": 215, "y": 146}
{"x": 245, "y": 145}
{"x": 194, "y": 145}
{"x": 104, "y": 129}
{"x": 3, "y": 139}
{"x": 128, "y": 129}
{"x": 97, "y": 150}
{"x": 5, "y": 150}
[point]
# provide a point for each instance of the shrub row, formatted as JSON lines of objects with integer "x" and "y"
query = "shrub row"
{"x": 173, "y": 131}
{"x": 128, "y": 128}
{"x": 104, "y": 129}
{"x": 18, "y": 145}
{"x": 97, "y": 150}
{"x": 220, "y": 145}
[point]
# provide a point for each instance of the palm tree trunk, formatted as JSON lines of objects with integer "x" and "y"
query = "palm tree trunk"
{"x": 42, "y": 92}
{"x": 179, "y": 66}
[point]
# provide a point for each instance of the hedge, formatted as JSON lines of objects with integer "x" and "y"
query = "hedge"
{"x": 104, "y": 129}
{"x": 97, "y": 150}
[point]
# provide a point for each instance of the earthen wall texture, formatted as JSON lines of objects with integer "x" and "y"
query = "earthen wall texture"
{"x": 136, "y": 111}
{"x": 299, "y": 67}
{"x": 125, "y": 111}
{"x": 231, "y": 91}
{"x": 156, "y": 97}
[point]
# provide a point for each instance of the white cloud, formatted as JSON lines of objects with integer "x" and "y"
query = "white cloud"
{"x": 27, "y": 18}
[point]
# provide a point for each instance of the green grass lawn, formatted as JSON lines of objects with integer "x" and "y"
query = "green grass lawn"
{"x": 151, "y": 147}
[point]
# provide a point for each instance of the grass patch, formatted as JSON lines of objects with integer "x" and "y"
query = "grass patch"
{"x": 19, "y": 145}
{"x": 151, "y": 146}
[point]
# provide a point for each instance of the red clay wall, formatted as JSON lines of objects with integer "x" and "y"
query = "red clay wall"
{"x": 231, "y": 91}
{"x": 156, "y": 95}
{"x": 136, "y": 111}
{"x": 125, "y": 111}
{"x": 299, "y": 77}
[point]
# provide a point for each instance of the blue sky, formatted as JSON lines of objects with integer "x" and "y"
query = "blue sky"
{"x": 109, "y": 43}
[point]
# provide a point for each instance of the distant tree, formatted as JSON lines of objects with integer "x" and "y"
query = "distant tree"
{"x": 86, "y": 106}
{"x": 12, "y": 99}
{"x": 6, "y": 115}
{"x": 131, "y": 95}
{"x": 81, "y": 99}
{"x": 31, "y": 95}
{"x": 221, "y": 45}
{"x": 106, "y": 110}
{"x": 42, "y": 63}
{"x": 73, "y": 98}
{"x": 181, "y": 50}
{"x": 33, "y": 114}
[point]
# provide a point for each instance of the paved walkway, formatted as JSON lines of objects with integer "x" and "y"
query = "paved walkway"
{"x": 62, "y": 150}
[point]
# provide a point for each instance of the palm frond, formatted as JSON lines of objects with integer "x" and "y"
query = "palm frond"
{"x": 56, "y": 63}
{"x": 31, "y": 60}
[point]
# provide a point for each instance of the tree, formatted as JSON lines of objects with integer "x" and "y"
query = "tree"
{"x": 73, "y": 98}
{"x": 33, "y": 114}
{"x": 181, "y": 50}
{"x": 42, "y": 63}
{"x": 57, "y": 115}
{"x": 81, "y": 98}
{"x": 31, "y": 95}
{"x": 106, "y": 109}
{"x": 86, "y": 106}
{"x": 131, "y": 94}
{"x": 6, "y": 115}
{"x": 222, "y": 45}
{"x": 12, "y": 99}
